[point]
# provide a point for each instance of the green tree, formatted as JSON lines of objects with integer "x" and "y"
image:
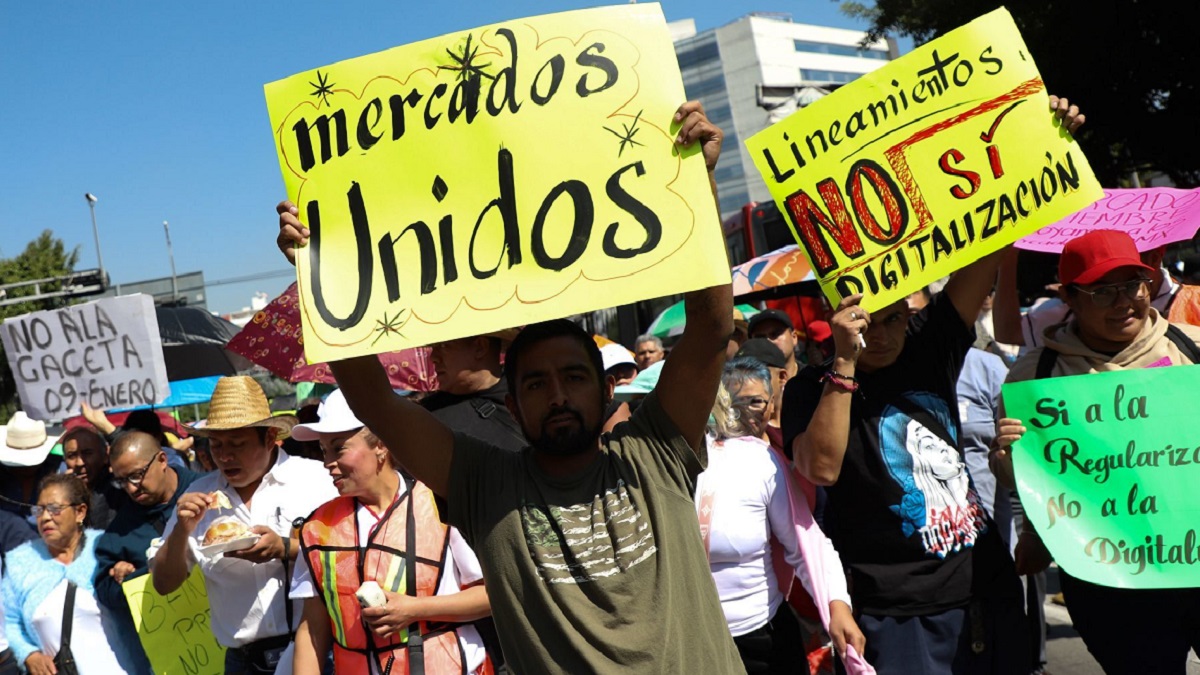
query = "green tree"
{"x": 1129, "y": 64}
{"x": 43, "y": 258}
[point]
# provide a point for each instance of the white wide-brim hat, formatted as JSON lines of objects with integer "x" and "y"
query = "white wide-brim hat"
{"x": 23, "y": 441}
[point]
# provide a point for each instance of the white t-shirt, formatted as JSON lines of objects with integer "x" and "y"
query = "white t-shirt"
{"x": 91, "y": 636}
{"x": 462, "y": 569}
{"x": 247, "y": 598}
{"x": 749, "y": 504}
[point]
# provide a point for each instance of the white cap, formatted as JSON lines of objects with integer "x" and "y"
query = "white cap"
{"x": 334, "y": 416}
{"x": 614, "y": 355}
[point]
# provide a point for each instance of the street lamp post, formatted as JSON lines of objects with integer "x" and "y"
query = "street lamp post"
{"x": 91, "y": 200}
{"x": 171, "y": 255}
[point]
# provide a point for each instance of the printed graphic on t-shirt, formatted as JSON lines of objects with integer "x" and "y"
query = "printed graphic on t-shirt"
{"x": 587, "y": 542}
{"x": 939, "y": 501}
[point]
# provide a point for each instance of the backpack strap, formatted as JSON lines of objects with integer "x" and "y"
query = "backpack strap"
{"x": 1045, "y": 363}
{"x": 1183, "y": 343}
{"x": 490, "y": 411}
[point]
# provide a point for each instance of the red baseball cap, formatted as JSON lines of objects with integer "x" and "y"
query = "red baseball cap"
{"x": 819, "y": 331}
{"x": 1087, "y": 258}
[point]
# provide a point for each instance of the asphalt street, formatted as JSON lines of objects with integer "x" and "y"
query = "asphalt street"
{"x": 1065, "y": 651}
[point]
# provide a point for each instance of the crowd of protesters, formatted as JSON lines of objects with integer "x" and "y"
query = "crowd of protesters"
{"x": 837, "y": 499}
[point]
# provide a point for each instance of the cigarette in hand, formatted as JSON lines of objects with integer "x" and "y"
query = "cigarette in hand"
{"x": 862, "y": 344}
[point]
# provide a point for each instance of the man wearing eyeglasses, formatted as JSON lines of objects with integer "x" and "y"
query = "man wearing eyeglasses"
{"x": 139, "y": 468}
{"x": 1113, "y": 327}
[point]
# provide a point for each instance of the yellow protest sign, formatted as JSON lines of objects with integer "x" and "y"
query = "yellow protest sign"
{"x": 925, "y": 165}
{"x": 486, "y": 179}
{"x": 174, "y": 628}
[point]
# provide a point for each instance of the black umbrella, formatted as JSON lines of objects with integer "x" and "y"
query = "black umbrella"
{"x": 194, "y": 344}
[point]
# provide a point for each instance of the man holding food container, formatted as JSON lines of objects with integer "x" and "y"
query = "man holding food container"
{"x": 236, "y": 523}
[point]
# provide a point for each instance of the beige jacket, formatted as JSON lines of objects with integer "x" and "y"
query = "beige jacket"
{"x": 1150, "y": 347}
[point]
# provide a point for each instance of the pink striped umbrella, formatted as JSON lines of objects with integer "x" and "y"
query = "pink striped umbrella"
{"x": 273, "y": 339}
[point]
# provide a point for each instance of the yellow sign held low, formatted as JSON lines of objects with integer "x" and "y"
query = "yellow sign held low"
{"x": 487, "y": 179}
{"x": 173, "y": 628}
{"x": 925, "y": 165}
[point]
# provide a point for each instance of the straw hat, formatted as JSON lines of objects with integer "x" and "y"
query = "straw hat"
{"x": 238, "y": 402}
{"x": 23, "y": 441}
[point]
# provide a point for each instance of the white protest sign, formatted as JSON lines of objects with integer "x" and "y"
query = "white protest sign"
{"x": 107, "y": 352}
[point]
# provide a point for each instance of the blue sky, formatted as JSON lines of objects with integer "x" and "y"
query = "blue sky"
{"x": 157, "y": 108}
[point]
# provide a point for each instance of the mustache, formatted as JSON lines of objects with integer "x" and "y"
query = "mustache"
{"x": 560, "y": 412}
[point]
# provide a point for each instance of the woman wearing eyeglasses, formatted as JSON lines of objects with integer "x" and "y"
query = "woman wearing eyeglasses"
{"x": 1112, "y": 327}
{"x": 38, "y": 581}
{"x": 749, "y": 525}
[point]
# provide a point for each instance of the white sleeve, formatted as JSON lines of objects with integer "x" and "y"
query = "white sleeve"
{"x": 302, "y": 583}
{"x": 779, "y": 514}
{"x": 465, "y": 561}
{"x": 1038, "y": 319}
{"x": 157, "y": 543}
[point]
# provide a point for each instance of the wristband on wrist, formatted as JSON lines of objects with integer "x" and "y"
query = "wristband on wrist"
{"x": 846, "y": 383}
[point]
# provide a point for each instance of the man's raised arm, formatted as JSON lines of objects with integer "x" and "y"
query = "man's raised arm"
{"x": 691, "y": 375}
{"x": 422, "y": 444}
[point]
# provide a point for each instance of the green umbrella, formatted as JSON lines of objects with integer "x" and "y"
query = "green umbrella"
{"x": 670, "y": 322}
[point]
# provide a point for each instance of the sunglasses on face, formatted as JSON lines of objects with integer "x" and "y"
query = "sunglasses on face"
{"x": 1106, "y": 295}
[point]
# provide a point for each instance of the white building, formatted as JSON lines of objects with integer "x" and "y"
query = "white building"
{"x": 763, "y": 59}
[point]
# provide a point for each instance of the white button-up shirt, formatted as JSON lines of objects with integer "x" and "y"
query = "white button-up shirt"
{"x": 247, "y": 598}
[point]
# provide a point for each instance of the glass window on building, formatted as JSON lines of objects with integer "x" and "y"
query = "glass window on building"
{"x": 733, "y": 199}
{"x": 840, "y": 50}
{"x": 809, "y": 76}
{"x": 691, "y": 53}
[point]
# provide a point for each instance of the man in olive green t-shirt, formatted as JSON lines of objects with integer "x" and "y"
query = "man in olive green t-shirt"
{"x": 589, "y": 544}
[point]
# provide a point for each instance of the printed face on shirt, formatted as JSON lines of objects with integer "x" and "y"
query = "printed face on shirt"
{"x": 85, "y": 455}
{"x": 885, "y": 336}
{"x": 1111, "y": 328}
{"x": 243, "y": 456}
{"x": 560, "y": 397}
{"x": 353, "y": 463}
{"x": 938, "y": 502}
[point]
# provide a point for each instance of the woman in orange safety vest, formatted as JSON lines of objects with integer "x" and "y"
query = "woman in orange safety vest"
{"x": 384, "y": 527}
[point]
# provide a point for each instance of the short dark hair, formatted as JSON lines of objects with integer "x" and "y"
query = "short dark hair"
{"x": 147, "y": 421}
{"x": 87, "y": 432}
{"x": 547, "y": 330}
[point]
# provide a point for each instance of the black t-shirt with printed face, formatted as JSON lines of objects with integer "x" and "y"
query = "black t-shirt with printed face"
{"x": 903, "y": 515}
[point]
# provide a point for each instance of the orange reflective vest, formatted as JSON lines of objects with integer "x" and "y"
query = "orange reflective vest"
{"x": 405, "y": 553}
{"x": 1185, "y": 305}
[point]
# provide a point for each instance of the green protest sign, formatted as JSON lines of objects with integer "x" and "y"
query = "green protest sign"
{"x": 1108, "y": 473}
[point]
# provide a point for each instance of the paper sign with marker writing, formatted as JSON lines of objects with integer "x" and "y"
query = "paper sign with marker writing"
{"x": 1152, "y": 216}
{"x": 925, "y": 165}
{"x": 1107, "y": 473}
{"x": 107, "y": 352}
{"x": 491, "y": 178}
{"x": 174, "y": 628}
